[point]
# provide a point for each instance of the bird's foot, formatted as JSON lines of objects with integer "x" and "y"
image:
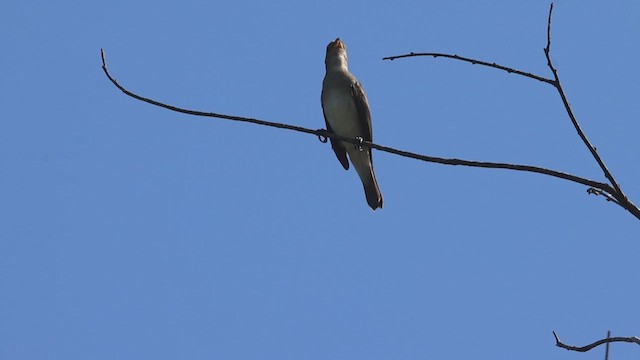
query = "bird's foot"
{"x": 323, "y": 135}
{"x": 359, "y": 143}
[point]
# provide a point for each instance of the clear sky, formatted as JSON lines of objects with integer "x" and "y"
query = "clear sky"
{"x": 131, "y": 232}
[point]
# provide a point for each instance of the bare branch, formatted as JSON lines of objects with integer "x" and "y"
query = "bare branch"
{"x": 615, "y": 193}
{"x": 630, "y": 339}
{"x": 619, "y": 194}
{"x": 207, "y": 114}
{"x": 546, "y": 49}
{"x": 606, "y": 351}
{"x": 475, "y": 62}
{"x": 603, "y": 187}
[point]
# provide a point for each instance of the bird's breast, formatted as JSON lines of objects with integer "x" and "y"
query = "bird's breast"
{"x": 341, "y": 113}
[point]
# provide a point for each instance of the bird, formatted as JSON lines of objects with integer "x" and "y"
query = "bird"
{"x": 346, "y": 113}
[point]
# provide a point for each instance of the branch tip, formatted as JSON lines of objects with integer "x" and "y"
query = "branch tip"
{"x": 474, "y": 62}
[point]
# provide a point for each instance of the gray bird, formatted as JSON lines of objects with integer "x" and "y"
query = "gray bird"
{"x": 346, "y": 112}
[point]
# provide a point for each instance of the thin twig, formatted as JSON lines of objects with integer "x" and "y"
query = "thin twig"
{"x": 606, "y": 349}
{"x": 474, "y": 61}
{"x": 201, "y": 113}
{"x": 630, "y": 339}
{"x": 321, "y": 133}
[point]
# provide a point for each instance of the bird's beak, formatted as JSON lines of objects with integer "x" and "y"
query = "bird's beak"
{"x": 336, "y": 44}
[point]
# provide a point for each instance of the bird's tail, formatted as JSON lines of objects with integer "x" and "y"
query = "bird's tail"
{"x": 372, "y": 192}
{"x": 363, "y": 163}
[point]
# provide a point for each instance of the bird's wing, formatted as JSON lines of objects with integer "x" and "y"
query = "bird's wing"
{"x": 362, "y": 105}
{"x": 336, "y": 145}
{"x": 364, "y": 115}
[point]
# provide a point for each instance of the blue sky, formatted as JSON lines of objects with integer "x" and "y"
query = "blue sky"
{"x": 128, "y": 231}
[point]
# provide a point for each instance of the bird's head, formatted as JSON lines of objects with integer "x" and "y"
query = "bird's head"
{"x": 336, "y": 54}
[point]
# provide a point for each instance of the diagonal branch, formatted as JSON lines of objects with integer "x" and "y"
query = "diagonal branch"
{"x": 601, "y": 188}
{"x": 619, "y": 194}
{"x": 201, "y": 113}
{"x": 630, "y": 339}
